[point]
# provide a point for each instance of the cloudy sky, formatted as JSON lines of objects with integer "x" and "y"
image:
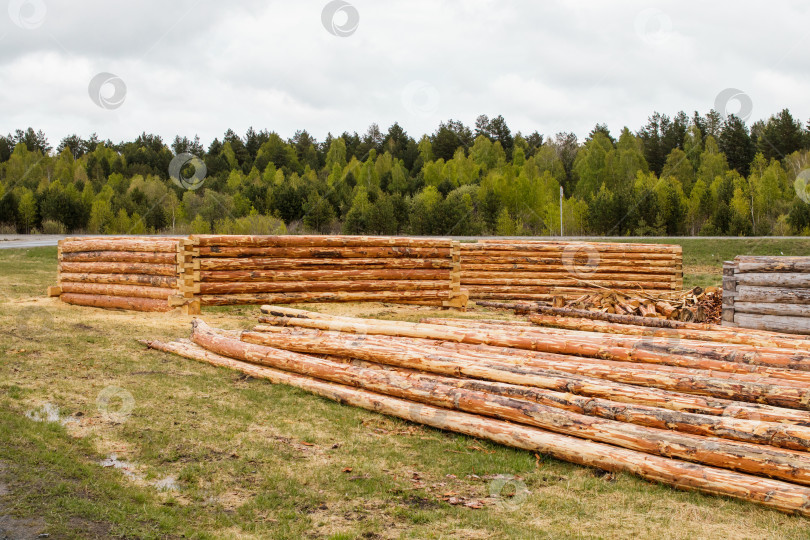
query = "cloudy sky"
{"x": 200, "y": 67}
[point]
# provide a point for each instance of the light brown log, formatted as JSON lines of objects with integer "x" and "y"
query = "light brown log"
{"x": 798, "y": 325}
{"x": 478, "y": 280}
{"x": 121, "y": 256}
{"x": 752, "y": 263}
{"x": 772, "y": 308}
{"x": 745, "y": 457}
{"x": 581, "y": 288}
{"x": 742, "y": 390}
{"x": 120, "y": 244}
{"x": 348, "y": 296}
{"x": 118, "y": 268}
{"x": 555, "y": 265}
{"x": 774, "y": 279}
{"x": 327, "y": 252}
{"x": 121, "y": 279}
{"x": 135, "y": 291}
{"x": 116, "y": 302}
{"x": 321, "y": 275}
{"x": 324, "y": 286}
{"x": 746, "y": 293}
{"x": 776, "y": 494}
{"x": 261, "y": 263}
{"x": 319, "y": 241}
{"x": 551, "y": 275}
{"x": 621, "y": 247}
{"x": 488, "y": 363}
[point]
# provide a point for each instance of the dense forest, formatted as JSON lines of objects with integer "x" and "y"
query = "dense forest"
{"x": 698, "y": 175}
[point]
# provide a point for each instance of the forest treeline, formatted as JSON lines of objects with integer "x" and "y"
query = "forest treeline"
{"x": 684, "y": 175}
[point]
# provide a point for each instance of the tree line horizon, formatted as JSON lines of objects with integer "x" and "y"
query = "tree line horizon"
{"x": 675, "y": 176}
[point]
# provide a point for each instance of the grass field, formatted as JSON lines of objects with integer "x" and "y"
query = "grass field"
{"x": 100, "y": 438}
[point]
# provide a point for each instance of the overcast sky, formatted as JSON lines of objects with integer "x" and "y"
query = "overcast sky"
{"x": 202, "y": 67}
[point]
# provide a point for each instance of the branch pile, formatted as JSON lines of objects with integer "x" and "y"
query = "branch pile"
{"x": 720, "y": 411}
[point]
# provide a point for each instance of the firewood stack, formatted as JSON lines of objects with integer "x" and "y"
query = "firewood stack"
{"x": 696, "y": 304}
{"x": 132, "y": 273}
{"x": 541, "y": 270}
{"x": 291, "y": 269}
{"x": 697, "y": 407}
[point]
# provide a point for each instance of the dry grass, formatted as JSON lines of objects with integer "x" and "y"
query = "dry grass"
{"x": 253, "y": 460}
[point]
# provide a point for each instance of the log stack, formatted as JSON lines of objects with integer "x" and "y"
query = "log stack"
{"x": 541, "y": 270}
{"x": 292, "y": 269}
{"x": 131, "y": 273}
{"x": 767, "y": 293}
{"x": 699, "y": 407}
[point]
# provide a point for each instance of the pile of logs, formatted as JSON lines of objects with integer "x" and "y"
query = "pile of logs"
{"x": 140, "y": 274}
{"x": 767, "y": 293}
{"x": 697, "y": 407}
{"x": 541, "y": 270}
{"x": 696, "y": 304}
{"x": 292, "y": 269}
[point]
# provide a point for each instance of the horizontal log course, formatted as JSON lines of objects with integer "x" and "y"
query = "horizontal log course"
{"x": 750, "y": 263}
{"x": 120, "y": 279}
{"x": 780, "y": 323}
{"x": 262, "y": 263}
{"x": 772, "y": 308}
{"x": 468, "y": 275}
{"x": 324, "y": 286}
{"x": 322, "y": 275}
{"x": 601, "y": 246}
{"x": 487, "y": 363}
{"x": 593, "y": 261}
{"x": 120, "y": 244}
{"x": 302, "y": 297}
{"x": 149, "y": 257}
{"x": 326, "y": 253}
{"x": 134, "y": 291}
{"x": 776, "y": 494}
{"x": 747, "y": 293}
{"x": 774, "y": 279}
{"x": 574, "y": 249}
{"x": 582, "y": 288}
{"x": 116, "y": 302}
{"x": 319, "y": 241}
{"x": 118, "y": 268}
{"x": 474, "y": 282}
{"x": 550, "y": 266}
{"x": 746, "y": 457}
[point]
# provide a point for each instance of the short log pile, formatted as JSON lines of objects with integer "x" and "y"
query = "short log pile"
{"x": 132, "y": 273}
{"x": 292, "y": 269}
{"x": 767, "y": 293}
{"x": 697, "y": 407}
{"x": 541, "y": 270}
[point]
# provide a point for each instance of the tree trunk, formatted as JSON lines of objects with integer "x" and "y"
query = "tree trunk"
{"x": 120, "y": 279}
{"x": 116, "y": 302}
{"x": 135, "y": 291}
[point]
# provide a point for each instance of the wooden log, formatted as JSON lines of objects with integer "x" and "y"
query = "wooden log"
{"x": 755, "y": 432}
{"x": 118, "y": 268}
{"x": 321, "y": 296}
{"x": 321, "y": 275}
{"x": 327, "y": 252}
{"x": 134, "y": 291}
{"x": 319, "y": 241}
{"x": 572, "y": 248}
{"x": 621, "y": 247}
{"x": 120, "y": 244}
{"x": 769, "y": 308}
{"x": 153, "y": 257}
{"x": 730, "y": 388}
{"x": 512, "y": 257}
{"x": 552, "y": 275}
{"x": 476, "y": 281}
{"x": 555, "y": 265}
{"x": 121, "y": 279}
{"x": 116, "y": 302}
{"x": 387, "y": 286}
{"x": 780, "y": 323}
{"x": 749, "y": 263}
{"x": 740, "y": 456}
{"x": 774, "y": 279}
{"x": 443, "y": 358}
{"x": 773, "y": 493}
{"x": 747, "y": 293}
{"x": 262, "y": 263}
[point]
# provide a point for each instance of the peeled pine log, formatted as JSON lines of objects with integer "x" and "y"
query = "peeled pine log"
{"x": 773, "y": 493}
{"x": 553, "y": 275}
{"x": 774, "y": 279}
{"x": 324, "y": 286}
{"x": 756, "y": 432}
{"x": 583, "y": 288}
{"x": 728, "y": 337}
{"x": 326, "y": 253}
{"x": 477, "y": 280}
{"x": 118, "y": 268}
{"x": 798, "y": 325}
{"x": 602, "y": 247}
{"x": 119, "y": 244}
{"x": 751, "y": 458}
{"x": 120, "y": 279}
{"x": 263, "y": 263}
{"x": 771, "y": 308}
{"x": 540, "y": 265}
{"x": 756, "y": 263}
{"x": 116, "y": 302}
{"x": 318, "y": 241}
{"x": 121, "y": 256}
{"x": 443, "y": 358}
{"x": 135, "y": 291}
{"x": 320, "y": 275}
{"x": 301, "y": 297}
{"x": 785, "y": 295}
{"x": 736, "y": 389}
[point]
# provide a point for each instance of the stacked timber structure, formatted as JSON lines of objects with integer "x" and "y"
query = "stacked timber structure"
{"x": 542, "y": 270}
{"x": 767, "y": 293}
{"x": 159, "y": 274}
